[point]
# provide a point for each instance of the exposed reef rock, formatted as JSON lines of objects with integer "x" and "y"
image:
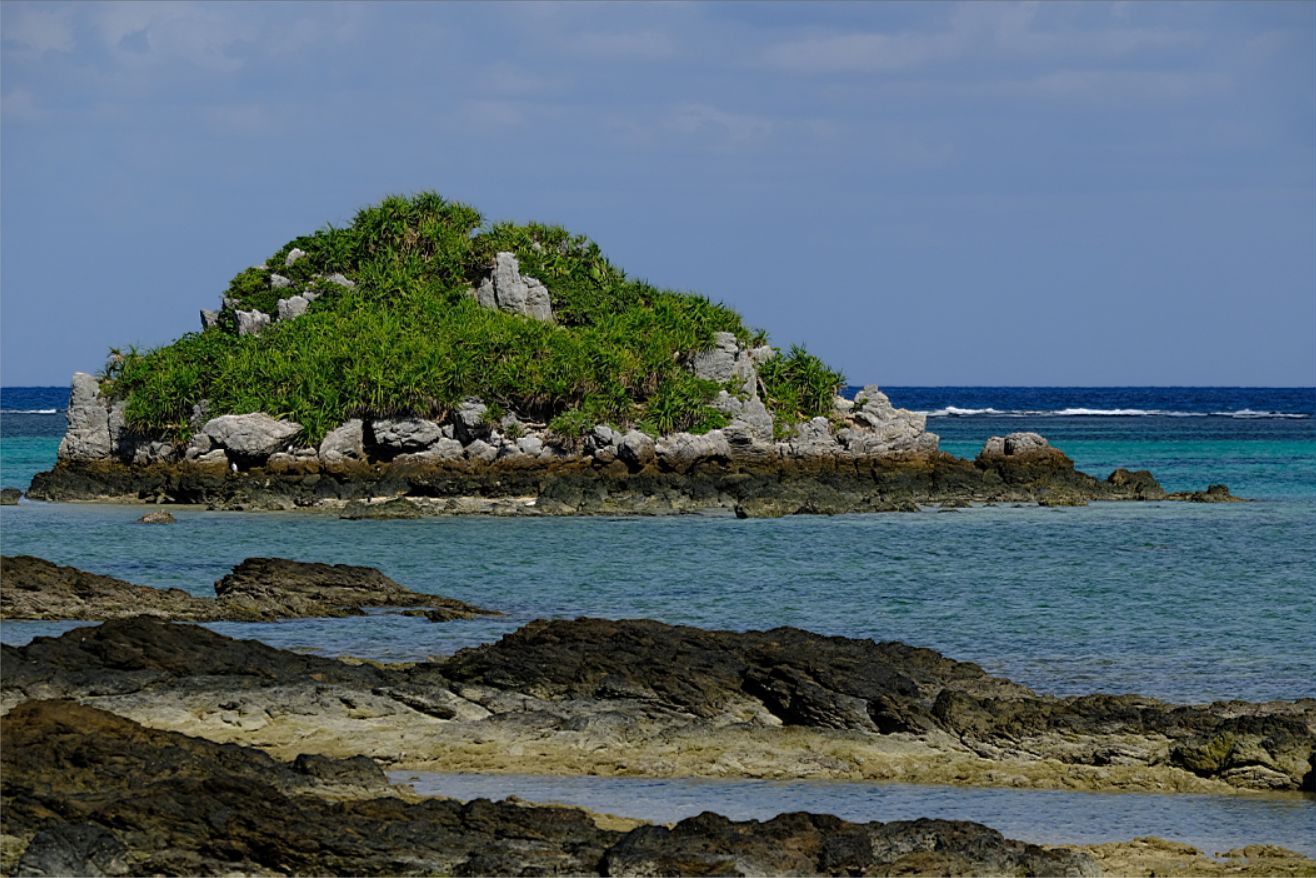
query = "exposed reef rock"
{"x": 258, "y": 589}
{"x": 641, "y": 697}
{"x": 880, "y": 459}
{"x": 88, "y": 792}
{"x": 277, "y": 588}
{"x": 10, "y": 496}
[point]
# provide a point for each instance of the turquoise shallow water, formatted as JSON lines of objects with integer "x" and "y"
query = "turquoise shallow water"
{"x": 1180, "y": 601}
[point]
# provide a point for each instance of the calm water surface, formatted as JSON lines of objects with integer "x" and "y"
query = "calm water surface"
{"x": 1183, "y": 602}
{"x": 1213, "y": 824}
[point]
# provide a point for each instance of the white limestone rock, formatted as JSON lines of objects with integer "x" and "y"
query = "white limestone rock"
{"x": 293, "y": 306}
{"x": 636, "y": 449}
{"x": 506, "y": 289}
{"x": 252, "y": 322}
{"x": 293, "y": 255}
{"x": 727, "y": 361}
{"x": 880, "y": 428}
{"x": 681, "y": 451}
{"x": 88, "y": 434}
{"x": 481, "y": 451}
{"x": 406, "y": 434}
{"x": 1014, "y": 445}
{"x": 251, "y": 435}
{"x": 470, "y": 421}
{"x": 344, "y": 443}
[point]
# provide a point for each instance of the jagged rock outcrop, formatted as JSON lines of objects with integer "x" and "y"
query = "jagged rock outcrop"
{"x": 506, "y": 289}
{"x": 88, "y": 434}
{"x": 251, "y": 435}
{"x": 258, "y": 589}
{"x": 405, "y": 434}
{"x": 875, "y": 426}
{"x": 291, "y": 307}
{"x": 680, "y": 452}
{"x": 1020, "y": 445}
{"x": 638, "y": 696}
{"x": 727, "y": 361}
{"x": 344, "y": 443}
{"x": 251, "y": 322}
{"x": 278, "y": 588}
{"x": 88, "y": 792}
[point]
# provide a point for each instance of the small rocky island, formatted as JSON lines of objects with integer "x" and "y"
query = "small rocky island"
{"x": 421, "y": 361}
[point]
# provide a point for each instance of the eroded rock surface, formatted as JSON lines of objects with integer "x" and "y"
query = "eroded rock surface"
{"x": 641, "y": 697}
{"x": 258, "y": 589}
{"x": 85, "y": 788}
{"x": 282, "y": 589}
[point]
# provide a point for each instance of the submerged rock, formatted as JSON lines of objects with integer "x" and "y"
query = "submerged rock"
{"x": 157, "y": 518}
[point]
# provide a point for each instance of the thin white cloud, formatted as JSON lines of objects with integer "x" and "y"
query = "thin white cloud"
{"x": 20, "y": 104}
{"x": 39, "y": 28}
{"x": 1009, "y": 32}
{"x": 716, "y": 127}
{"x": 860, "y": 53}
{"x": 1117, "y": 86}
{"x": 646, "y": 45}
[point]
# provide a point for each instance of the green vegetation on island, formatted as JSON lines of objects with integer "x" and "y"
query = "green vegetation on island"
{"x": 404, "y": 336}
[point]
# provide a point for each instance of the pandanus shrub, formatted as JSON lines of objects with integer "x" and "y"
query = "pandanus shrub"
{"x": 406, "y": 337}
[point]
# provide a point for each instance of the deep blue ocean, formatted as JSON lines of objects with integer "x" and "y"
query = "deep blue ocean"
{"x": 1185, "y": 602}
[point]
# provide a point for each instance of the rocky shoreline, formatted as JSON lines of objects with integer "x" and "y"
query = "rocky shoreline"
{"x": 257, "y": 590}
{"x": 867, "y": 457}
{"x": 638, "y": 697}
{"x": 88, "y": 792}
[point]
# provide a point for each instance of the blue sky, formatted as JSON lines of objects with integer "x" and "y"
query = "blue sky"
{"x": 979, "y": 193}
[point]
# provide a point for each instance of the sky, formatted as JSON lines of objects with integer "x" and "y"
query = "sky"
{"x": 923, "y": 194}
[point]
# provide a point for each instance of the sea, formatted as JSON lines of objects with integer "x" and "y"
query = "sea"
{"x": 1181, "y": 601}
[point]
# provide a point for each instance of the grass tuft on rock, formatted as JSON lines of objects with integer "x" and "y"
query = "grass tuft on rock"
{"x": 408, "y": 339}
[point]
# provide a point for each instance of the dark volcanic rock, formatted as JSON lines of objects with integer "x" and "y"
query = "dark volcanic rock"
{"x": 140, "y": 654}
{"x": 258, "y": 589}
{"x": 590, "y": 685}
{"x": 580, "y": 484}
{"x": 33, "y": 588}
{"x": 277, "y": 588}
{"x": 802, "y": 678}
{"x": 182, "y": 805}
{"x": 814, "y": 844}
{"x": 93, "y": 793}
{"x": 73, "y": 849}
